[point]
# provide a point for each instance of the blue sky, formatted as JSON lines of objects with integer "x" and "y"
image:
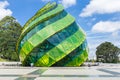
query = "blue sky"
{"x": 99, "y": 18}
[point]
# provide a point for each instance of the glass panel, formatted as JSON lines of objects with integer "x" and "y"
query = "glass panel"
{"x": 53, "y": 41}
{"x": 41, "y": 26}
{"x": 71, "y": 56}
{"x": 59, "y": 37}
{"x": 48, "y": 22}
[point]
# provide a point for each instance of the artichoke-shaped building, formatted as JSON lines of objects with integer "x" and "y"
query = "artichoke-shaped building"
{"x": 52, "y": 38}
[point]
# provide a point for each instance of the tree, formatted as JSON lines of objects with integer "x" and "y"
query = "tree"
{"x": 108, "y": 53}
{"x": 10, "y": 30}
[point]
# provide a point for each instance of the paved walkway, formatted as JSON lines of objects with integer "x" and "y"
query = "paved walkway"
{"x": 107, "y": 72}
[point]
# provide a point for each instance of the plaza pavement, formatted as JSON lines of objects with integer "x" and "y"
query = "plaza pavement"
{"x": 102, "y": 72}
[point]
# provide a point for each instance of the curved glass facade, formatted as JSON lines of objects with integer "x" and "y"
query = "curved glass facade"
{"x": 52, "y": 38}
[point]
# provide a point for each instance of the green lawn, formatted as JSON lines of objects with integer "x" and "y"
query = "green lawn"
{"x": 3, "y": 60}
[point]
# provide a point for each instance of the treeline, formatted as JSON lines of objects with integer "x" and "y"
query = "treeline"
{"x": 10, "y": 30}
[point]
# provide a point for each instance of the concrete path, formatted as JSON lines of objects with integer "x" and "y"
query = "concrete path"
{"x": 104, "y": 72}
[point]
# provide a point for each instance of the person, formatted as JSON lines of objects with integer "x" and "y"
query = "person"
{"x": 31, "y": 64}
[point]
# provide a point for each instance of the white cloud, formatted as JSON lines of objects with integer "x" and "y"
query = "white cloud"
{"x": 95, "y": 39}
{"x": 115, "y": 34}
{"x": 68, "y": 3}
{"x": 3, "y": 11}
{"x": 101, "y": 7}
{"x": 106, "y": 26}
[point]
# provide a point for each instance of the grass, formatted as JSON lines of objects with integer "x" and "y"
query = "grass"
{"x": 3, "y": 60}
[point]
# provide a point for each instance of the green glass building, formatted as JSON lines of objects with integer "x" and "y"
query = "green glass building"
{"x": 52, "y": 38}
